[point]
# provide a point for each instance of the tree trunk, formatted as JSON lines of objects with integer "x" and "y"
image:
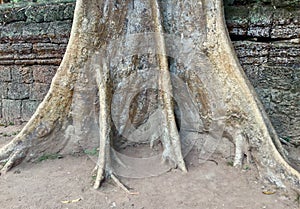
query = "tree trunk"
{"x": 157, "y": 72}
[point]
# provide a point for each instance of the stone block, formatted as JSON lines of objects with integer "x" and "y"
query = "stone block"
{"x": 277, "y": 77}
{"x": 35, "y": 14}
{"x": 12, "y": 15}
{"x": 251, "y": 49}
{"x": 54, "y": 13}
{"x": 21, "y": 74}
{"x": 69, "y": 11}
{"x": 281, "y": 123}
{"x": 261, "y": 16}
{"x": 11, "y": 109}
{"x": 3, "y": 90}
{"x": 7, "y": 58}
{"x": 44, "y": 74}
{"x": 12, "y": 31}
{"x": 259, "y": 31}
{"x": 45, "y": 47}
{"x": 286, "y": 3}
{"x": 18, "y": 91}
{"x": 285, "y": 31}
{"x": 31, "y": 30}
{"x": 61, "y": 28}
{"x": 28, "y": 108}
{"x": 5, "y": 74}
{"x": 253, "y": 73}
{"x": 38, "y": 91}
{"x": 237, "y": 20}
{"x": 5, "y": 49}
{"x": 24, "y": 48}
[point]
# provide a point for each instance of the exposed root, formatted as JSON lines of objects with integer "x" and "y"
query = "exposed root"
{"x": 11, "y": 161}
{"x": 171, "y": 138}
{"x": 270, "y": 159}
{"x": 99, "y": 177}
{"x": 236, "y": 136}
{"x": 11, "y": 154}
{"x": 239, "y": 151}
{"x": 122, "y": 186}
{"x": 101, "y": 174}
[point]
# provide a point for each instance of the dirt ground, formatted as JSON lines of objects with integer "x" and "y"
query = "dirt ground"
{"x": 66, "y": 183}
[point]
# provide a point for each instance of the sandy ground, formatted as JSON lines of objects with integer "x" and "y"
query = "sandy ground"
{"x": 55, "y": 183}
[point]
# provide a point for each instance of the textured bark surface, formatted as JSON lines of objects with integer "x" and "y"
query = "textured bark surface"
{"x": 33, "y": 40}
{"x": 68, "y": 115}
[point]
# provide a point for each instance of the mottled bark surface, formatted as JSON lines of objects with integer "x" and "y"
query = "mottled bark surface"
{"x": 108, "y": 59}
{"x": 33, "y": 39}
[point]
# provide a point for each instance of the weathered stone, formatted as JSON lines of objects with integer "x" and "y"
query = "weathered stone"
{"x": 237, "y": 20}
{"x": 11, "y": 109}
{"x": 294, "y": 130}
{"x": 61, "y": 28}
{"x": 55, "y": 61}
{"x": 5, "y": 48}
{"x": 49, "y": 50}
{"x": 22, "y": 74}
{"x": 281, "y": 122}
{"x": 286, "y": 31}
{"x": 24, "y": 56}
{"x": 30, "y": 36}
{"x": 28, "y": 108}
{"x": 261, "y": 16}
{"x": 6, "y": 57}
{"x": 5, "y": 73}
{"x": 258, "y": 31}
{"x": 277, "y": 77}
{"x": 3, "y": 90}
{"x": 35, "y": 14}
{"x": 285, "y": 53}
{"x": 68, "y": 12}
{"x": 43, "y": 74}
{"x": 54, "y": 13}
{"x": 22, "y": 47}
{"x": 254, "y": 49}
{"x": 38, "y": 91}
{"x": 286, "y": 3}
{"x": 286, "y": 24}
{"x": 254, "y": 74}
{"x": 18, "y": 91}
{"x": 11, "y": 31}
{"x": 33, "y": 29}
{"x": 45, "y": 47}
{"x": 265, "y": 97}
{"x": 254, "y": 60}
{"x": 12, "y": 15}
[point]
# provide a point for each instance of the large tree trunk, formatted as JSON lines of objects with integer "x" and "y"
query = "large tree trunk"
{"x": 175, "y": 59}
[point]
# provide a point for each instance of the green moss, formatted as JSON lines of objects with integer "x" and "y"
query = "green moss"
{"x": 93, "y": 151}
{"x": 230, "y": 163}
{"x": 50, "y": 157}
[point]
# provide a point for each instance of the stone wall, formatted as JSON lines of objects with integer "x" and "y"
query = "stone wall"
{"x": 266, "y": 37}
{"x": 267, "y": 42}
{"x": 33, "y": 39}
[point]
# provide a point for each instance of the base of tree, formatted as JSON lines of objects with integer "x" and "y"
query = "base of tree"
{"x": 79, "y": 104}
